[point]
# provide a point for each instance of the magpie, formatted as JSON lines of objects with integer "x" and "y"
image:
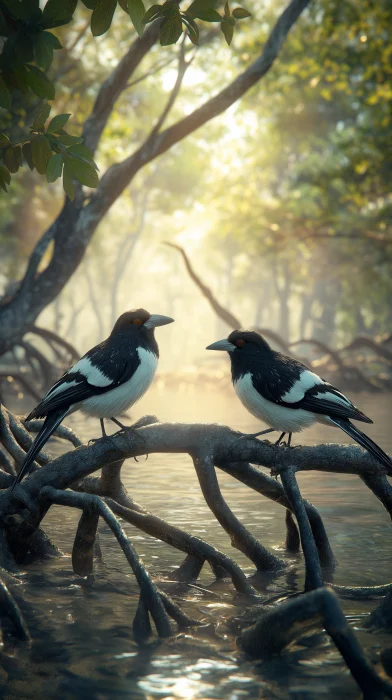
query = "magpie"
{"x": 105, "y": 382}
{"x": 288, "y": 396}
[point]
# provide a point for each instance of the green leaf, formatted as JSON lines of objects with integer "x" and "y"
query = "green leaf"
{"x": 136, "y": 11}
{"x": 203, "y": 9}
{"x": 67, "y": 139}
{"x": 19, "y": 73}
{"x": 227, "y": 9}
{"x": 5, "y": 95}
{"x": 40, "y": 83}
{"x": 91, "y": 4}
{"x": 82, "y": 171}
{"x": 68, "y": 185}
{"x": 41, "y": 152}
{"x": 241, "y": 13}
{"x": 170, "y": 9}
{"x": 209, "y": 15}
{"x": 28, "y": 154}
{"x": 152, "y": 13}
{"x": 124, "y": 5}
{"x": 228, "y": 31}
{"x": 20, "y": 50}
{"x": 81, "y": 151}
{"x": 20, "y": 10}
{"x": 41, "y": 115}
{"x": 102, "y": 16}
{"x": 171, "y": 30}
{"x": 43, "y": 50}
{"x": 57, "y": 12}
{"x": 193, "y": 30}
{"x": 13, "y": 158}
{"x": 57, "y": 123}
{"x": 55, "y": 42}
{"x": 5, "y": 174}
{"x": 4, "y": 140}
{"x": 54, "y": 167}
{"x": 4, "y": 27}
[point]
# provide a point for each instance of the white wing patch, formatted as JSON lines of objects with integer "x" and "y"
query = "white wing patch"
{"x": 92, "y": 373}
{"x": 306, "y": 380}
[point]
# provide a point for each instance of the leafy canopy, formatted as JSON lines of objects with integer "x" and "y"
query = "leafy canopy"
{"x": 27, "y": 54}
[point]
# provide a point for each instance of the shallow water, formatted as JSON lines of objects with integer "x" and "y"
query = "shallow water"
{"x": 83, "y": 640}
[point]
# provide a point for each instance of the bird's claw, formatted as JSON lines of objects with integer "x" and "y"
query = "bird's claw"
{"x": 93, "y": 440}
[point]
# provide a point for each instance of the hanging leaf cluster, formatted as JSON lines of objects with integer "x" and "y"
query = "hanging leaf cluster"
{"x": 27, "y": 53}
{"x": 28, "y": 45}
{"x": 173, "y": 20}
{"x": 51, "y": 151}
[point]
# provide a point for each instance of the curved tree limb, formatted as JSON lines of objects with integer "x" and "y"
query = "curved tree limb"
{"x": 292, "y": 619}
{"x": 240, "y": 537}
{"x": 221, "y": 441}
{"x": 190, "y": 544}
{"x": 149, "y": 593}
{"x": 50, "y": 335}
{"x": 271, "y": 488}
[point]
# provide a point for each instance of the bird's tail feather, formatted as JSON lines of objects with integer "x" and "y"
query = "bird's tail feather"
{"x": 52, "y": 422}
{"x": 365, "y": 441}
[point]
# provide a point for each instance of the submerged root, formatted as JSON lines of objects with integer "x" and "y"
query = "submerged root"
{"x": 282, "y": 625}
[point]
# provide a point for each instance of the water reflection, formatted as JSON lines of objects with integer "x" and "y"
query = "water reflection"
{"x": 84, "y": 647}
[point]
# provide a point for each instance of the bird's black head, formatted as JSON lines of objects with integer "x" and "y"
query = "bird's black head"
{"x": 139, "y": 321}
{"x": 247, "y": 350}
{"x": 242, "y": 342}
{"x": 248, "y": 341}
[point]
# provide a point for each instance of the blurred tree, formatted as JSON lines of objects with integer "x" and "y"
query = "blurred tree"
{"x": 310, "y": 217}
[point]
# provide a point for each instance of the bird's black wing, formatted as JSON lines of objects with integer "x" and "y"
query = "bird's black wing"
{"x": 290, "y": 384}
{"x": 325, "y": 400}
{"x": 87, "y": 378}
{"x": 70, "y": 389}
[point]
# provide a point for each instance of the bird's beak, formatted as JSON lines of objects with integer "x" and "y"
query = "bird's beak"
{"x": 157, "y": 320}
{"x": 222, "y": 345}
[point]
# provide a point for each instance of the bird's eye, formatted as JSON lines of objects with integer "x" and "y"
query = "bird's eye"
{"x": 137, "y": 321}
{"x": 240, "y": 343}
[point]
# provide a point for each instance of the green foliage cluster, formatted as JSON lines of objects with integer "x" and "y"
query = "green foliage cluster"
{"x": 28, "y": 53}
{"x": 174, "y": 21}
{"x": 51, "y": 151}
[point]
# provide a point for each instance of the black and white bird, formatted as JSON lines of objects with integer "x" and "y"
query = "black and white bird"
{"x": 105, "y": 382}
{"x": 286, "y": 395}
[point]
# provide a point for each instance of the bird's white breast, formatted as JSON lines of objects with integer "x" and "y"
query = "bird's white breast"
{"x": 286, "y": 420}
{"x": 116, "y": 401}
